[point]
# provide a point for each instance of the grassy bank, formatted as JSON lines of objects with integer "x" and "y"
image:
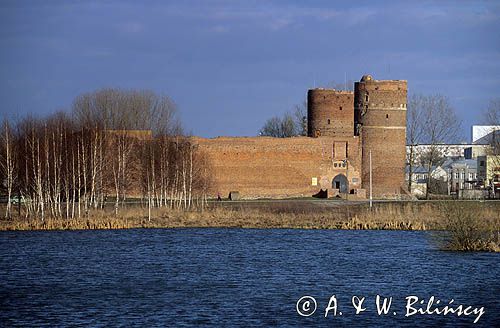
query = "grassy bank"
{"x": 471, "y": 225}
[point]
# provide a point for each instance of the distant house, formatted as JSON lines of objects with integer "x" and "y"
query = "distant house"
{"x": 419, "y": 180}
{"x": 462, "y": 174}
{"x": 453, "y": 175}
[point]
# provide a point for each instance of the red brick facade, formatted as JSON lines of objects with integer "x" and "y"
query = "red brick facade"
{"x": 380, "y": 118}
{"x": 280, "y": 167}
{"x": 342, "y": 128}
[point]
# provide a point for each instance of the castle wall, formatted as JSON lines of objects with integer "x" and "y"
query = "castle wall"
{"x": 260, "y": 167}
{"x": 330, "y": 113}
{"x": 380, "y": 120}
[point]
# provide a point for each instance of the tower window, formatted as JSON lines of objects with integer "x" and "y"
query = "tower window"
{"x": 386, "y": 115}
{"x": 340, "y": 107}
{"x": 328, "y": 121}
{"x": 366, "y": 97}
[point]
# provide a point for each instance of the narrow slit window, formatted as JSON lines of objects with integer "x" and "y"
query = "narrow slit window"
{"x": 340, "y": 107}
{"x": 386, "y": 115}
{"x": 328, "y": 121}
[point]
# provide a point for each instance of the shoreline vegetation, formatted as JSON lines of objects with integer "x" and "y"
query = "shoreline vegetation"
{"x": 470, "y": 226}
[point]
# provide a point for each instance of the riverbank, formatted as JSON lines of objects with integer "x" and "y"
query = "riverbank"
{"x": 472, "y": 226}
{"x": 279, "y": 214}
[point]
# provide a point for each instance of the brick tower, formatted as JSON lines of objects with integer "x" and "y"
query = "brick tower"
{"x": 380, "y": 120}
{"x": 330, "y": 113}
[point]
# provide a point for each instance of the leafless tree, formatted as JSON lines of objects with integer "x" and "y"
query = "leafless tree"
{"x": 414, "y": 132}
{"x": 8, "y": 163}
{"x": 271, "y": 128}
{"x": 119, "y": 109}
{"x": 277, "y": 127}
{"x": 439, "y": 124}
{"x": 300, "y": 118}
{"x": 63, "y": 166}
{"x": 492, "y": 117}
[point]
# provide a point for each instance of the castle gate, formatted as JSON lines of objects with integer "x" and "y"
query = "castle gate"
{"x": 340, "y": 183}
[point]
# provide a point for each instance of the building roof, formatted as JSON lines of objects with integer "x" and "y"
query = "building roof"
{"x": 469, "y": 163}
{"x": 419, "y": 169}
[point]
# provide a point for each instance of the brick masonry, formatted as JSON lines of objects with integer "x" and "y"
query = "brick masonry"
{"x": 330, "y": 113}
{"x": 380, "y": 119}
{"x": 342, "y": 127}
{"x": 279, "y": 167}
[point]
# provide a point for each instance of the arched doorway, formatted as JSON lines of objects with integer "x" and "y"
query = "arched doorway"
{"x": 340, "y": 183}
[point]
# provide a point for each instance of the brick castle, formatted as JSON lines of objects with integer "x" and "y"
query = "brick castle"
{"x": 342, "y": 127}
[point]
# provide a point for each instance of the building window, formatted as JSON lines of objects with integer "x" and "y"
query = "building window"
{"x": 463, "y": 175}
{"x": 456, "y": 175}
{"x": 334, "y": 164}
{"x": 481, "y": 163}
{"x": 328, "y": 121}
{"x": 340, "y": 107}
{"x": 471, "y": 175}
{"x": 386, "y": 115}
{"x": 366, "y": 98}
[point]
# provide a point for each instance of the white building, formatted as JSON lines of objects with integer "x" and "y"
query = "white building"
{"x": 485, "y": 134}
{"x": 468, "y": 151}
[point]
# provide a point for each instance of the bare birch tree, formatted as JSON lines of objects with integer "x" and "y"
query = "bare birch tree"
{"x": 8, "y": 164}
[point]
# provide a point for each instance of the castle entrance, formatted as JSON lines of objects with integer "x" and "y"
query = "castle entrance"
{"x": 340, "y": 183}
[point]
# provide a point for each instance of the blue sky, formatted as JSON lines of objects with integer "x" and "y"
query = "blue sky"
{"x": 230, "y": 65}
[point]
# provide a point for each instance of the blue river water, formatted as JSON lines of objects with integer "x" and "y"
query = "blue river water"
{"x": 237, "y": 277}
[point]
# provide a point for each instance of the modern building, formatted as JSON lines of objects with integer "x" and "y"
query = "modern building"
{"x": 485, "y": 134}
{"x": 468, "y": 151}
